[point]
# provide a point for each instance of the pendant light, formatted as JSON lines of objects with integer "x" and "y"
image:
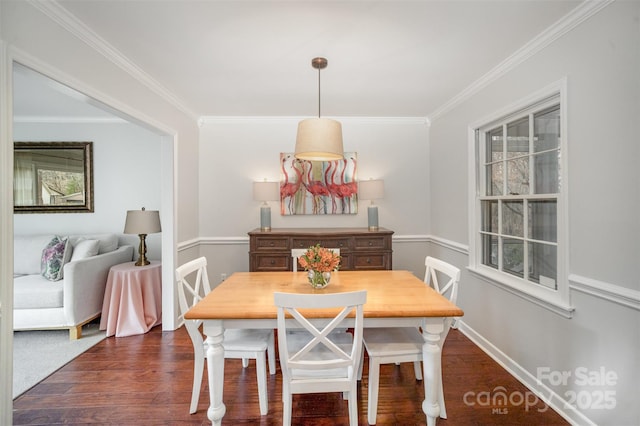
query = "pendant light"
{"x": 319, "y": 139}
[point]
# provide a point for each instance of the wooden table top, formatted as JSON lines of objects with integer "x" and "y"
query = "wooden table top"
{"x": 390, "y": 294}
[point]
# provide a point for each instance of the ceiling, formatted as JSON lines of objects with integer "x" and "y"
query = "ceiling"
{"x": 253, "y": 58}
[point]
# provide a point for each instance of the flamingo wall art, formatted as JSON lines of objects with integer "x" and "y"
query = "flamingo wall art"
{"x": 318, "y": 187}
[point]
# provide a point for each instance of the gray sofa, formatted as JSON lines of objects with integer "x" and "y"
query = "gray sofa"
{"x": 74, "y": 297}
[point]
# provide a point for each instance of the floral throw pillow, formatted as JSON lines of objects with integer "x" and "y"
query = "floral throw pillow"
{"x": 54, "y": 256}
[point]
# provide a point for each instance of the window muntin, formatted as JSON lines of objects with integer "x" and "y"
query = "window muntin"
{"x": 519, "y": 195}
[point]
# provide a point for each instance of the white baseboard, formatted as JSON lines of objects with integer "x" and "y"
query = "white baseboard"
{"x": 543, "y": 392}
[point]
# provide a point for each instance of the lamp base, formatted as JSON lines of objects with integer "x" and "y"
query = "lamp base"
{"x": 372, "y": 216}
{"x": 265, "y": 218}
{"x": 142, "y": 251}
{"x": 142, "y": 261}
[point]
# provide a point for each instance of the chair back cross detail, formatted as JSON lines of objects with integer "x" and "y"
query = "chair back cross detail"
{"x": 314, "y": 356}
{"x": 319, "y": 337}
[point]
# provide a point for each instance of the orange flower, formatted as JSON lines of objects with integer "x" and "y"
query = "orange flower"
{"x": 320, "y": 259}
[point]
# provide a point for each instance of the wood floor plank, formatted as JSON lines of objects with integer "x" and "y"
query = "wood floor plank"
{"x": 147, "y": 380}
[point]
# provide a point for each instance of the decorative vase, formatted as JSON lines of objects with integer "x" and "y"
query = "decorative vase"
{"x": 319, "y": 279}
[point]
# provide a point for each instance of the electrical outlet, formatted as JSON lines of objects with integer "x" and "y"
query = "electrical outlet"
{"x": 223, "y": 276}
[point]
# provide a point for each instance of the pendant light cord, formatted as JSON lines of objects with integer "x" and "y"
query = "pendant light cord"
{"x": 318, "y": 92}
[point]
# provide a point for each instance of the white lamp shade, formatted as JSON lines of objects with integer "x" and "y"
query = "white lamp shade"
{"x": 266, "y": 191}
{"x": 142, "y": 222}
{"x": 372, "y": 189}
{"x": 319, "y": 139}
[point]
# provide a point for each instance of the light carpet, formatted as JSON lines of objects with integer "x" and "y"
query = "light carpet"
{"x": 37, "y": 354}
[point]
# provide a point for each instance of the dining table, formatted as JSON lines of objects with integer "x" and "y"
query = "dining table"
{"x": 395, "y": 298}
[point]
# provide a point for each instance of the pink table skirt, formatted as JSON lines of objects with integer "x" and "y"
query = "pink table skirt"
{"x": 132, "y": 299}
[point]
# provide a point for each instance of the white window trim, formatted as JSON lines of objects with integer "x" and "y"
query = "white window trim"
{"x": 558, "y": 300}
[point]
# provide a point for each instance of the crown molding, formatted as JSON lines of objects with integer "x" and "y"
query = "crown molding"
{"x": 68, "y": 21}
{"x": 294, "y": 119}
{"x": 32, "y": 119}
{"x": 570, "y": 21}
{"x": 89, "y": 95}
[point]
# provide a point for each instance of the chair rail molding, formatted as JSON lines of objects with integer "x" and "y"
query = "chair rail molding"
{"x": 603, "y": 290}
{"x": 240, "y": 240}
{"x": 449, "y": 244}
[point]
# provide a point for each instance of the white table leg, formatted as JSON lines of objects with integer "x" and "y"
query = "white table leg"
{"x": 215, "y": 370}
{"x": 431, "y": 361}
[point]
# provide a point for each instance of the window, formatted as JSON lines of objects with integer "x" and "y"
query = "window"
{"x": 517, "y": 234}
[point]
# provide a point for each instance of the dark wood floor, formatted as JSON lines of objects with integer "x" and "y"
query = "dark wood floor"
{"x": 146, "y": 380}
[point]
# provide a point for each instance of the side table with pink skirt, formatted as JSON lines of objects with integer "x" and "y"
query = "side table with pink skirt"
{"x": 132, "y": 299}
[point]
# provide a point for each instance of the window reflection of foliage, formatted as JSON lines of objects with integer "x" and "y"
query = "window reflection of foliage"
{"x": 75, "y": 184}
{"x": 521, "y": 160}
{"x": 513, "y": 256}
{"x": 65, "y": 183}
{"x": 512, "y": 218}
{"x": 518, "y": 176}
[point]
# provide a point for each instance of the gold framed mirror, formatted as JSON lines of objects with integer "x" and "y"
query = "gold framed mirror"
{"x": 53, "y": 177}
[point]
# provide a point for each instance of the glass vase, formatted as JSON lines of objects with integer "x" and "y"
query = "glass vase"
{"x": 319, "y": 279}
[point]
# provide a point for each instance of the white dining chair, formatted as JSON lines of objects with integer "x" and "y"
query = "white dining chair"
{"x": 237, "y": 344}
{"x": 296, "y": 253}
{"x": 404, "y": 344}
{"x": 324, "y": 361}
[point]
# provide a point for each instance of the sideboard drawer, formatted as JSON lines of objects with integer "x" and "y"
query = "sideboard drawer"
{"x": 371, "y": 261}
{"x": 272, "y": 243}
{"x": 371, "y": 242}
{"x": 272, "y": 262}
{"x": 340, "y": 243}
{"x": 303, "y": 243}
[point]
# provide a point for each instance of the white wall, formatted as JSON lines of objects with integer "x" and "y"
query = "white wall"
{"x": 44, "y": 38}
{"x": 38, "y": 36}
{"x": 126, "y": 174}
{"x": 235, "y": 152}
{"x": 77, "y": 60}
{"x": 601, "y": 61}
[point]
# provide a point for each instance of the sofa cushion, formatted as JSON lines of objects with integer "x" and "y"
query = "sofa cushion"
{"x": 54, "y": 256}
{"x": 35, "y": 291}
{"x": 27, "y": 253}
{"x": 85, "y": 248}
{"x": 108, "y": 242}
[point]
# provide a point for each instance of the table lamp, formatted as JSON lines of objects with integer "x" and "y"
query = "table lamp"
{"x": 372, "y": 189}
{"x": 265, "y": 191}
{"x": 142, "y": 222}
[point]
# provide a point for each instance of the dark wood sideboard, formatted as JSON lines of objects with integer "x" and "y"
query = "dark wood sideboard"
{"x": 359, "y": 248}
